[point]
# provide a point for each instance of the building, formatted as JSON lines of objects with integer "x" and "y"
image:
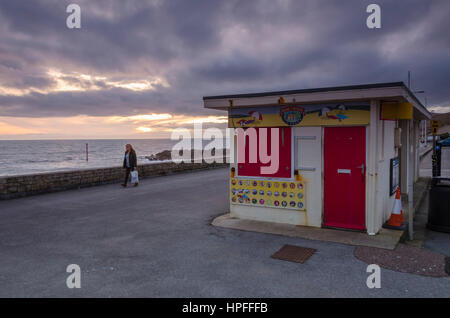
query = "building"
{"x": 343, "y": 151}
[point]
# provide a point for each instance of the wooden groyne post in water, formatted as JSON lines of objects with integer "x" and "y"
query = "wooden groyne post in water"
{"x": 87, "y": 152}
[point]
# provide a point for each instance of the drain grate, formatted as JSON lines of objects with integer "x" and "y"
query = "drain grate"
{"x": 293, "y": 253}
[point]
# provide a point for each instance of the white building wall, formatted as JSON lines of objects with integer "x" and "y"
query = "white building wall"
{"x": 417, "y": 150}
{"x": 308, "y": 160}
{"x": 386, "y": 151}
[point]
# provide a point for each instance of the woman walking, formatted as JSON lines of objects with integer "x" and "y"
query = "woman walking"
{"x": 129, "y": 163}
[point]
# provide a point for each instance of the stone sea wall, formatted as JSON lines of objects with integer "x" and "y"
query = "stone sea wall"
{"x": 25, "y": 185}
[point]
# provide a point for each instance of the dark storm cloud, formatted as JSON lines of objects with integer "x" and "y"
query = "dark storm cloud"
{"x": 212, "y": 47}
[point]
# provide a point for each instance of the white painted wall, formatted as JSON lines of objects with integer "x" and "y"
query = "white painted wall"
{"x": 267, "y": 214}
{"x": 417, "y": 150}
{"x": 308, "y": 158}
{"x": 404, "y": 156}
{"x": 372, "y": 141}
{"x": 386, "y": 151}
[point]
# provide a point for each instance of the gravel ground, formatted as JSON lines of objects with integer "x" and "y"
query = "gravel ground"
{"x": 405, "y": 258}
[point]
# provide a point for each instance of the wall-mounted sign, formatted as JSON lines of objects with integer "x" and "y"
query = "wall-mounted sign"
{"x": 343, "y": 114}
{"x": 292, "y": 115}
{"x": 392, "y": 111}
{"x": 435, "y": 124}
{"x": 394, "y": 175}
{"x": 268, "y": 193}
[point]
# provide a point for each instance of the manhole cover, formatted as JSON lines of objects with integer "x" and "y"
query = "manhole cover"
{"x": 293, "y": 253}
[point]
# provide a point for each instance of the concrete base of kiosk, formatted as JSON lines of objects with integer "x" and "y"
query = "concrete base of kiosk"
{"x": 387, "y": 239}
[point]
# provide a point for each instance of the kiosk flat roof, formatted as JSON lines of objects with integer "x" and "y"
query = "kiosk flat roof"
{"x": 382, "y": 91}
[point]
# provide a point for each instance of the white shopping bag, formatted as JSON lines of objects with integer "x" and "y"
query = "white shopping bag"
{"x": 134, "y": 176}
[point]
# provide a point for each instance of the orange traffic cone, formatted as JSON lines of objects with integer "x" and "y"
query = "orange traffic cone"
{"x": 396, "y": 219}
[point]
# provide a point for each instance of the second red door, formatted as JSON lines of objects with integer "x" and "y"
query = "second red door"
{"x": 344, "y": 177}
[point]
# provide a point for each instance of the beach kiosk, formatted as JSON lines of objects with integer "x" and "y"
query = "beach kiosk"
{"x": 342, "y": 153}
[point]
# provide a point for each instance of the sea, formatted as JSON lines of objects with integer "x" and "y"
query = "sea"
{"x": 22, "y": 157}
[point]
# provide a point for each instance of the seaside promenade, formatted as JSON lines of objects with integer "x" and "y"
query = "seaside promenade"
{"x": 156, "y": 240}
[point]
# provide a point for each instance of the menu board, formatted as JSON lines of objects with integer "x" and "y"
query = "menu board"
{"x": 394, "y": 178}
{"x": 268, "y": 193}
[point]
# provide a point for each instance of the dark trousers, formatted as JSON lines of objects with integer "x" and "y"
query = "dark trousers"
{"x": 127, "y": 175}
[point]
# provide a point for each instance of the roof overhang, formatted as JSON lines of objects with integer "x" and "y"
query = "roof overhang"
{"x": 396, "y": 91}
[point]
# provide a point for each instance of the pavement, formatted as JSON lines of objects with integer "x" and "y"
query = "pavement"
{"x": 156, "y": 240}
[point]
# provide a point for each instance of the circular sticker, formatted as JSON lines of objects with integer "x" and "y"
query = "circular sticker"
{"x": 284, "y": 203}
{"x": 291, "y": 194}
{"x": 276, "y": 193}
{"x": 254, "y": 201}
{"x": 247, "y": 182}
{"x": 233, "y": 182}
{"x": 269, "y": 185}
{"x": 254, "y": 183}
{"x": 269, "y": 193}
{"x": 246, "y": 191}
{"x": 241, "y": 200}
{"x": 292, "y": 185}
{"x": 300, "y": 186}
{"x": 233, "y": 199}
{"x": 261, "y": 192}
{"x": 300, "y": 205}
{"x": 233, "y": 191}
{"x": 261, "y": 201}
{"x": 255, "y": 191}
{"x": 241, "y": 182}
{"x": 276, "y": 203}
{"x": 261, "y": 183}
{"x": 284, "y": 194}
{"x": 276, "y": 184}
{"x": 300, "y": 195}
{"x": 292, "y": 204}
{"x": 284, "y": 185}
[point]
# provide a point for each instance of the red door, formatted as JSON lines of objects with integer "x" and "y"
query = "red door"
{"x": 344, "y": 177}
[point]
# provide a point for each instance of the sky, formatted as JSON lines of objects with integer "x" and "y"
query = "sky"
{"x": 139, "y": 69}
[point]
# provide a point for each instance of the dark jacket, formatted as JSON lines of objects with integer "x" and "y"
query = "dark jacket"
{"x": 133, "y": 160}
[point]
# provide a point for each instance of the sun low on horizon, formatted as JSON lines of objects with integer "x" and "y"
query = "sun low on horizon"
{"x": 139, "y": 69}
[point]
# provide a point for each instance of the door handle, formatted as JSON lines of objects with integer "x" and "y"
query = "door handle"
{"x": 362, "y": 167}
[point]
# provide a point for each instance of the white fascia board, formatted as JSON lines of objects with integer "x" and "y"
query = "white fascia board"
{"x": 317, "y": 97}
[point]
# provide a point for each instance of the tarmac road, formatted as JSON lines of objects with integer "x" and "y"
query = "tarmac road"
{"x": 156, "y": 241}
